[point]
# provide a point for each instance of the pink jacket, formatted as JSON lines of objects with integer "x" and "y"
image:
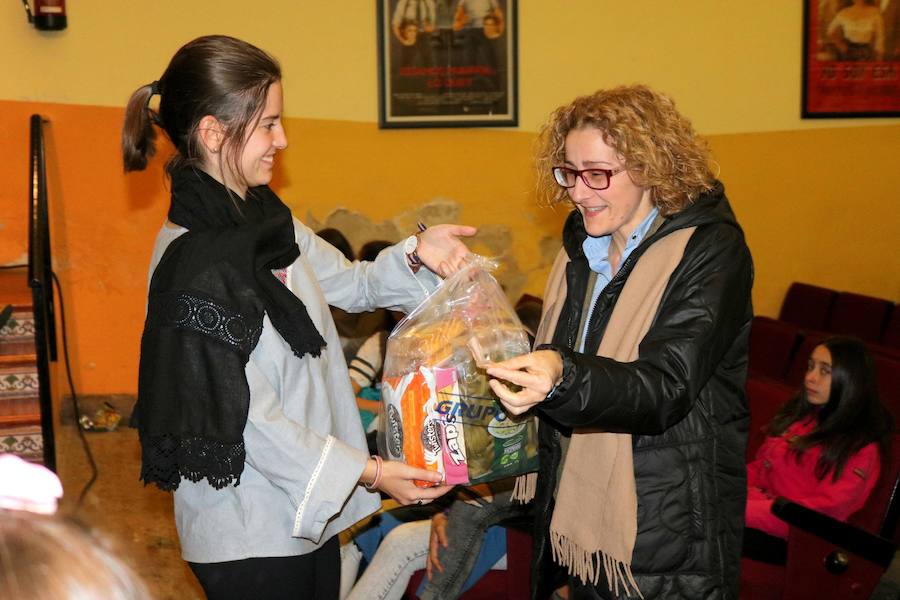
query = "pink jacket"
{"x": 777, "y": 472}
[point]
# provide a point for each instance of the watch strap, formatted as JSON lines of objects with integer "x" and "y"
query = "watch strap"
{"x": 414, "y": 260}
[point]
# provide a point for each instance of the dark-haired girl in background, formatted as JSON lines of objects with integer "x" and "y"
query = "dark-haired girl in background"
{"x": 825, "y": 446}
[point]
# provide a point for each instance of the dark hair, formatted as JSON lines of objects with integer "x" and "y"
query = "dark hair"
{"x": 371, "y": 249}
{"x": 853, "y": 417}
{"x": 338, "y": 240}
{"x": 212, "y": 75}
{"x": 529, "y": 310}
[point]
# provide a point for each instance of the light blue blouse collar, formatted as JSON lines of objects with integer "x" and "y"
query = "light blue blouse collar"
{"x": 596, "y": 249}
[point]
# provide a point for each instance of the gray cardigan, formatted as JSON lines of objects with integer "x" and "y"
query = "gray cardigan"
{"x": 304, "y": 440}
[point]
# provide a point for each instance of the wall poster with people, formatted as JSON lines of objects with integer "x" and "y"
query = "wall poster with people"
{"x": 851, "y": 58}
{"x": 447, "y": 63}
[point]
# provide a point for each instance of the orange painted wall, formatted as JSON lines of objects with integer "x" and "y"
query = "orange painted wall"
{"x": 104, "y": 222}
{"x": 817, "y": 197}
{"x": 817, "y": 205}
{"x": 102, "y": 229}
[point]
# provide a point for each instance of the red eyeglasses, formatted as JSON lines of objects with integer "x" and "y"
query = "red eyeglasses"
{"x": 596, "y": 179}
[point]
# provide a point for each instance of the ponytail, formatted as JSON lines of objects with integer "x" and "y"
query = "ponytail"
{"x": 214, "y": 75}
{"x": 138, "y": 135}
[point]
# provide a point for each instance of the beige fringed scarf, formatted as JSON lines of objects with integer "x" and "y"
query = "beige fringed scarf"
{"x": 588, "y": 536}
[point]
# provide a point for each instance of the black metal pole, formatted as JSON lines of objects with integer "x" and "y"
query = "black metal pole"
{"x": 41, "y": 286}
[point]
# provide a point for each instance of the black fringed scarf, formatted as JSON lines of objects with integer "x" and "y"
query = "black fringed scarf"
{"x": 208, "y": 296}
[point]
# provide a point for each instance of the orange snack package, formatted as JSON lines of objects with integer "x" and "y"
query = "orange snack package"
{"x": 439, "y": 411}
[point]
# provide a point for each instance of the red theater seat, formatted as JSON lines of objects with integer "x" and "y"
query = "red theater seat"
{"x": 888, "y": 373}
{"x": 807, "y": 306}
{"x": 764, "y": 397}
{"x": 772, "y": 344}
{"x": 891, "y": 335}
{"x": 827, "y": 558}
{"x": 862, "y": 316}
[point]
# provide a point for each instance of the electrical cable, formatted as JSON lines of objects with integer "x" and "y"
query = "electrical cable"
{"x": 75, "y": 407}
{"x": 28, "y": 11}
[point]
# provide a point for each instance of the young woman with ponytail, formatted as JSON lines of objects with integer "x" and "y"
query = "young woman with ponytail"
{"x": 245, "y": 408}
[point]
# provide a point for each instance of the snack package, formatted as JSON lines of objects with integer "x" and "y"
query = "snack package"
{"x": 440, "y": 413}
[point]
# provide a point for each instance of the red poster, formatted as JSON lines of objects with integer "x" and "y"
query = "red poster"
{"x": 851, "y": 58}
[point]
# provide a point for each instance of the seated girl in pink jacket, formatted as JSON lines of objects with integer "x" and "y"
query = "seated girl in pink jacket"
{"x": 825, "y": 446}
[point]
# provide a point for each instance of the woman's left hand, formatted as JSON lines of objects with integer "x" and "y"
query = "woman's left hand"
{"x": 398, "y": 481}
{"x": 536, "y": 373}
{"x": 441, "y": 250}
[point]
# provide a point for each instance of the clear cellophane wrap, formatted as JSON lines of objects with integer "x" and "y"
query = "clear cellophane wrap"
{"x": 439, "y": 411}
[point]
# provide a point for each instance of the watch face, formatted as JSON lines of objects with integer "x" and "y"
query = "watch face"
{"x": 411, "y": 244}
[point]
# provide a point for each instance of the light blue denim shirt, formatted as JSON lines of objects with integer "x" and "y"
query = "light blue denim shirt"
{"x": 596, "y": 249}
{"x": 304, "y": 439}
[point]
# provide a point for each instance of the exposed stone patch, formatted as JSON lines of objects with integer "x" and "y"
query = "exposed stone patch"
{"x": 493, "y": 241}
{"x": 356, "y": 227}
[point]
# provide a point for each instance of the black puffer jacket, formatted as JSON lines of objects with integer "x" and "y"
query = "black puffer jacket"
{"x": 683, "y": 400}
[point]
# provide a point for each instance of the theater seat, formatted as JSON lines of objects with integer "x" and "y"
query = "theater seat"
{"x": 890, "y": 337}
{"x": 772, "y": 344}
{"x": 862, "y": 316}
{"x": 807, "y": 306}
{"x": 764, "y": 397}
{"x": 887, "y": 371}
{"x": 827, "y": 558}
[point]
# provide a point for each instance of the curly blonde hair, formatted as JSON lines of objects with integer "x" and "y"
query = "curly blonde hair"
{"x": 658, "y": 145}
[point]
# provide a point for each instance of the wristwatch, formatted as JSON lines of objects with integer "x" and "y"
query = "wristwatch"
{"x": 412, "y": 257}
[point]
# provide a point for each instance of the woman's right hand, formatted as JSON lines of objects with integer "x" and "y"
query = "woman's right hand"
{"x": 535, "y": 374}
{"x": 397, "y": 480}
{"x": 441, "y": 249}
{"x": 438, "y": 539}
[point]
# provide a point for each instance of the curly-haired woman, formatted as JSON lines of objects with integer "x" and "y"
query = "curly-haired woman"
{"x": 639, "y": 385}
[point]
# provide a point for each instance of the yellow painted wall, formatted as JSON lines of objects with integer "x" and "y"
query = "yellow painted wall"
{"x": 817, "y": 199}
{"x": 819, "y": 206}
{"x": 733, "y": 66}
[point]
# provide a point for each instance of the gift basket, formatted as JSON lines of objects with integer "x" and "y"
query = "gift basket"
{"x": 439, "y": 411}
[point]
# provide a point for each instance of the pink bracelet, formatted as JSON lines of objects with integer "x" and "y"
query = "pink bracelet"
{"x": 378, "y": 470}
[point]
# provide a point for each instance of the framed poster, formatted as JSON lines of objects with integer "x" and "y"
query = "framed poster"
{"x": 447, "y": 63}
{"x": 851, "y": 58}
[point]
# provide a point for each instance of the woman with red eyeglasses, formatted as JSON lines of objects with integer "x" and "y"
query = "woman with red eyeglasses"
{"x": 638, "y": 378}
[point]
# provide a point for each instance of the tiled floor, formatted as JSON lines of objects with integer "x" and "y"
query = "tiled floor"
{"x": 138, "y": 520}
